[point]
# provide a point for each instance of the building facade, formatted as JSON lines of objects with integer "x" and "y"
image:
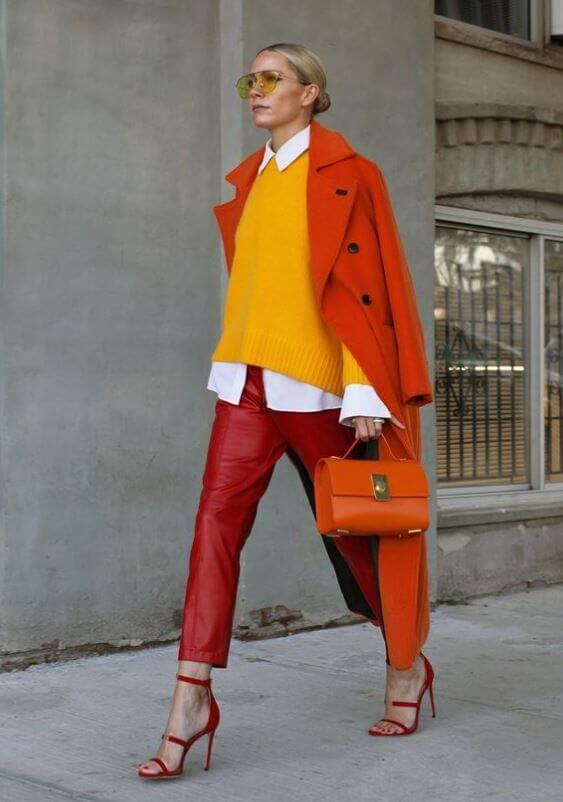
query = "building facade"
{"x": 498, "y": 295}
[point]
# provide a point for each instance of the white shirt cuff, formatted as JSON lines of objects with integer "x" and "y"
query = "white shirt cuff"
{"x": 361, "y": 399}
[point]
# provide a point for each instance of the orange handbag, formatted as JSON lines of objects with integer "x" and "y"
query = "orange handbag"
{"x": 387, "y": 497}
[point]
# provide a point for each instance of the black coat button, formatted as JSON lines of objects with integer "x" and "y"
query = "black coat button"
{"x": 353, "y": 247}
{"x": 366, "y": 299}
{"x": 341, "y": 191}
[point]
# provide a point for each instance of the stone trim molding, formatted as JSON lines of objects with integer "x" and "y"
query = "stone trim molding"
{"x": 485, "y": 148}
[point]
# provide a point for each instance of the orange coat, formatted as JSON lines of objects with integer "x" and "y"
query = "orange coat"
{"x": 365, "y": 295}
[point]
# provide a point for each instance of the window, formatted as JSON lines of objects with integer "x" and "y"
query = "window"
{"x": 506, "y": 16}
{"x": 553, "y": 351}
{"x": 480, "y": 356}
{"x": 498, "y": 323}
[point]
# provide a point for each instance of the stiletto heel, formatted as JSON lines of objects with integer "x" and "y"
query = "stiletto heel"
{"x": 432, "y": 698}
{"x": 209, "y": 729}
{"x": 427, "y": 685}
{"x": 209, "y": 745}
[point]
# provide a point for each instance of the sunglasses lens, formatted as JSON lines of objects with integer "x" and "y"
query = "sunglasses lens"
{"x": 244, "y": 85}
{"x": 268, "y": 81}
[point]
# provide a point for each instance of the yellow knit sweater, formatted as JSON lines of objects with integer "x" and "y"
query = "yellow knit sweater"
{"x": 271, "y": 317}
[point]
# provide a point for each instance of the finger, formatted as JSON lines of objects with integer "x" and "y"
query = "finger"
{"x": 374, "y": 428}
{"x": 361, "y": 428}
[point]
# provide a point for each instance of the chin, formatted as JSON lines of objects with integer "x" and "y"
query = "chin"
{"x": 261, "y": 123}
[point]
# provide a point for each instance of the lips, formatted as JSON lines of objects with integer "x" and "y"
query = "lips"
{"x": 259, "y": 106}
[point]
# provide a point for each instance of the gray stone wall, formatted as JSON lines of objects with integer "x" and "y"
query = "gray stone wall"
{"x": 110, "y": 287}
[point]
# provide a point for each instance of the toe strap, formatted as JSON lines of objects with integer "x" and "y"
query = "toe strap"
{"x": 161, "y": 763}
{"x": 391, "y": 721}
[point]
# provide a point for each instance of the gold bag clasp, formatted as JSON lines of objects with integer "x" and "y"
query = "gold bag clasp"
{"x": 380, "y": 486}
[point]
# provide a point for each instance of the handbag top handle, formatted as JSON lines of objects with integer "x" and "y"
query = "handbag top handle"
{"x": 354, "y": 442}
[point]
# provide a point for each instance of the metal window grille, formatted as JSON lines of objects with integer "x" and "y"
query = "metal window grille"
{"x": 553, "y": 360}
{"x": 481, "y": 390}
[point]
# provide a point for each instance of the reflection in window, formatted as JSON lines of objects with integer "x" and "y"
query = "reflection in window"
{"x": 553, "y": 387}
{"x": 506, "y": 16}
{"x": 480, "y": 357}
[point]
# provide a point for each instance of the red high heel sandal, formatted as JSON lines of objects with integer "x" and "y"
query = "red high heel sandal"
{"x": 428, "y": 680}
{"x": 210, "y": 727}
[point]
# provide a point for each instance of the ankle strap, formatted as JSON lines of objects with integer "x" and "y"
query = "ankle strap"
{"x": 195, "y": 680}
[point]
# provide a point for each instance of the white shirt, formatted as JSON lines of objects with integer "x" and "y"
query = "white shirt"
{"x": 284, "y": 392}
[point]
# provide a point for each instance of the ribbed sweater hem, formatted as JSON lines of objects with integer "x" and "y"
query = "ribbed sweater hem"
{"x": 309, "y": 363}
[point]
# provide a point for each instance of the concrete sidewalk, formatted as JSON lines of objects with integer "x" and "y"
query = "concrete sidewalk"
{"x": 294, "y": 716}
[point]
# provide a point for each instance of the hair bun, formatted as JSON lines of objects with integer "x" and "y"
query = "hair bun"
{"x": 322, "y": 103}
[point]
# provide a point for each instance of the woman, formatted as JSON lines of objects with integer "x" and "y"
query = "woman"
{"x": 320, "y": 310}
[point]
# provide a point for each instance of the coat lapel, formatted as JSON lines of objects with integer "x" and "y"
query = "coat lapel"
{"x": 329, "y": 202}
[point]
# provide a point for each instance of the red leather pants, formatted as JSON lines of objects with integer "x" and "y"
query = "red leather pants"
{"x": 246, "y": 441}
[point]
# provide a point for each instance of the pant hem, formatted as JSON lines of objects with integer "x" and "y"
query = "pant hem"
{"x": 215, "y": 659}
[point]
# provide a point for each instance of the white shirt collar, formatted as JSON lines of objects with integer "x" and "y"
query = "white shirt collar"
{"x": 289, "y": 151}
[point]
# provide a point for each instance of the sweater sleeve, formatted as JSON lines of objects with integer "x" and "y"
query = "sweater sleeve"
{"x": 360, "y": 398}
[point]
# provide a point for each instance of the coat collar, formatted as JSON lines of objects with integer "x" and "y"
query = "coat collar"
{"x": 325, "y": 147}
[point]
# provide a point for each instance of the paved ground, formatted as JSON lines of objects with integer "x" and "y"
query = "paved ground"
{"x": 294, "y": 716}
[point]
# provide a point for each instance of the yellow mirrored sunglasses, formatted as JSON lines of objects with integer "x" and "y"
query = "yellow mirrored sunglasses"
{"x": 267, "y": 81}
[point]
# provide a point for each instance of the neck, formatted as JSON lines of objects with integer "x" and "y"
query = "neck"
{"x": 282, "y": 133}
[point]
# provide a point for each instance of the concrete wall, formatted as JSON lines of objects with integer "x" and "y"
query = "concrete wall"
{"x": 119, "y": 121}
{"x": 500, "y": 551}
{"x": 110, "y": 287}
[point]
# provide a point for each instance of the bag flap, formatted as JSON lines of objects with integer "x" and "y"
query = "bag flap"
{"x": 353, "y": 477}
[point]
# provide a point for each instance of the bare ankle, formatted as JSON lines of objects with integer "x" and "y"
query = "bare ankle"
{"x": 194, "y": 668}
{"x": 407, "y": 674}
{"x": 191, "y": 695}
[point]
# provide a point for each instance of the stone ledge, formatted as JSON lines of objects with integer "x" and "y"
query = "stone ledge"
{"x": 550, "y": 55}
{"x": 498, "y": 508}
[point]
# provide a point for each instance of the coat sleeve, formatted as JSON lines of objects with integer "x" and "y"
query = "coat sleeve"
{"x": 416, "y": 386}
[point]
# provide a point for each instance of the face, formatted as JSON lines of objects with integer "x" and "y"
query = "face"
{"x": 290, "y": 101}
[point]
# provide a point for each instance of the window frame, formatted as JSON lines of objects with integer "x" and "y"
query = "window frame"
{"x": 539, "y": 25}
{"x": 537, "y": 231}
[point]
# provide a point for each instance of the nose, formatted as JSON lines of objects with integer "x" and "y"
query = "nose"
{"x": 256, "y": 92}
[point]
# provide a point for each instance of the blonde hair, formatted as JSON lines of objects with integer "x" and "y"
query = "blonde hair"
{"x": 309, "y": 69}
